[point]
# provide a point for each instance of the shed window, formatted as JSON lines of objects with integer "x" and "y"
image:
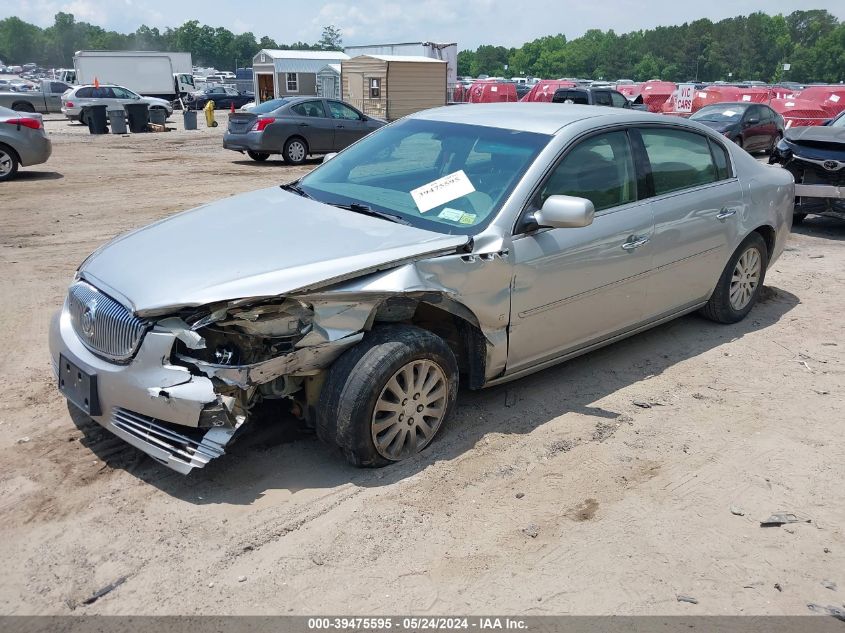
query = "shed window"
{"x": 375, "y": 88}
{"x": 292, "y": 81}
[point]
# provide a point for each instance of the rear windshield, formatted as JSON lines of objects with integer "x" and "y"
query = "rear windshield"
{"x": 719, "y": 114}
{"x": 269, "y": 106}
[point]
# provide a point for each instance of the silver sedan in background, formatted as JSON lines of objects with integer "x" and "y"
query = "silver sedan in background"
{"x": 296, "y": 127}
{"x": 475, "y": 244}
{"x": 23, "y": 142}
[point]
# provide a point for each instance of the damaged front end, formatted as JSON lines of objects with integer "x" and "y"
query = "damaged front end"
{"x": 817, "y": 165}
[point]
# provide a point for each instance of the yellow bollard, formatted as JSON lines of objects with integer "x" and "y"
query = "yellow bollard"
{"x": 209, "y": 114}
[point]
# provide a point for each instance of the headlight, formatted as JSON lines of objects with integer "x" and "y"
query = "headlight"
{"x": 782, "y": 145}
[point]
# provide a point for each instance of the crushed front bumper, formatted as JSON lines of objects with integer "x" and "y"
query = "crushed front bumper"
{"x": 152, "y": 405}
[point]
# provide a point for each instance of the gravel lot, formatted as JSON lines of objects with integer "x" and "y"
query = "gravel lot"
{"x": 554, "y": 494}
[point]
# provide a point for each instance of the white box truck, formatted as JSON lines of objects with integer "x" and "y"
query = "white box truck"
{"x": 149, "y": 73}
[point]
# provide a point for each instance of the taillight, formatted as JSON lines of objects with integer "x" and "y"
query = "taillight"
{"x": 68, "y": 104}
{"x": 33, "y": 124}
{"x": 261, "y": 123}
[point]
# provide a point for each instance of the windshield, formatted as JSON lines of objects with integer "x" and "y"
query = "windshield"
{"x": 719, "y": 114}
{"x": 838, "y": 121}
{"x": 269, "y": 106}
{"x": 445, "y": 177}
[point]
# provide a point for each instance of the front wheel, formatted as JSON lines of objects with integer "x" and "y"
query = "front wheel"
{"x": 740, "y": 284}
{"x": 295, "y": 151}
{"x": 385, "y": 399}
{"x": 257, "y": 156}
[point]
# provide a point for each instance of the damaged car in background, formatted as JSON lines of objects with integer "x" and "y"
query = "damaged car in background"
{"x": 815, "y": 156}
{"x": 466, "y": 246}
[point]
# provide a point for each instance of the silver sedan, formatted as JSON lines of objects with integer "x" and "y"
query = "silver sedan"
{"x": 475, "y": 244}
{"x": 23, "y": 142}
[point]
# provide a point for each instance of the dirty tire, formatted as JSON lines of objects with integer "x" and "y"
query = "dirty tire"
{"x": 257, "y": 156}
{"x": 23, "y": 107}
{"x": 798, "y": 218}
{"x": 720, "y": 308}
{"x": 355, "y": 383}
{"x": 295, "y": 151}
{"x": 8, "y": 163}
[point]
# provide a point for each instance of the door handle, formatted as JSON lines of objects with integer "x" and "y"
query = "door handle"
{"x": 635, "y": 241}
{"x": 303, "y": 125}
{"x": 725, "y": 213}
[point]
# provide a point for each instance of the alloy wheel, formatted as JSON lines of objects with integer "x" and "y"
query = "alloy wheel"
{"x": 409, "y": 409}
{"x": 745, "y": 278}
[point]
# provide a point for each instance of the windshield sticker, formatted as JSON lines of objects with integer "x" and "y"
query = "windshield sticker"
{"x": 746, "y": 97}
{"x": 729, "y": 112}
{"x": 453, "y": 215}
{"x": 834, "y": 98}
{"x": 441, "y": 191}
{"x": 468, "y": 218}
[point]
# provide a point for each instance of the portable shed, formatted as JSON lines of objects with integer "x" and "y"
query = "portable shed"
{"x": 328, "y": 81}
{"x": 393, "y": 86}
{"x": 286, "y": 73}
{"x": 446, "y": 51}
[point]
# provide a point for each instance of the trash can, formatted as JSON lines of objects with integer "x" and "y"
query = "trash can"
{"x": 138, "y": 115}
{"x": 190, "y": 119}
{"x": 117, "y": 121}
{"x": 158, "y": 116}
{"x": 95, "y": 115}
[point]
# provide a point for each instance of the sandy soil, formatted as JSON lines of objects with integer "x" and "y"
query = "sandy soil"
{"x": 555, "y": 494}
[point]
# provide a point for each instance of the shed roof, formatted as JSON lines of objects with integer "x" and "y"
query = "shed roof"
{"x": 405, "y": 58}
{"x": 326, "y": 56}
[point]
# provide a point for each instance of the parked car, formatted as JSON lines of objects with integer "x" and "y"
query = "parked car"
{"x": 815, "y": 156}
{"x": 46, "y": 98}
{"x": 297, "y": 127}
{"x": 23, "y": 142}
{"x": 109, "y": 95}
{"x": 222, "y": 96}
{"x": 591, "y": 96}
{"x": 478, "y": 243}
{"x": 752, "y": 126}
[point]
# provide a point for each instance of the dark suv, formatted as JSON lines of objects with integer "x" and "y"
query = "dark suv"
{"x": 591, "y": 96}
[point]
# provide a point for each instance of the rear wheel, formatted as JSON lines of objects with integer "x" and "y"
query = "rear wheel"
{"x": 798, "y": 218}
{"x": 8, "y": 163}
{"x": 385, "y": 399}
{"x": 23, "y": 107}
{"x": 295, "y": 151}
{"x": 740, "y": 283}
{"x": 257, "y": 156}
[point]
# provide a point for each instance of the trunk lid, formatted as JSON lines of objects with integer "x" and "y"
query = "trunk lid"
{"x": 241, "y": 122}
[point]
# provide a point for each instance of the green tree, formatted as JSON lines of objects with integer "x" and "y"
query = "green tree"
{"x": 332, "y": 39}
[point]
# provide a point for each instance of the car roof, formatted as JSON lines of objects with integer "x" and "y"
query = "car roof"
{"x": 542, "y": 118}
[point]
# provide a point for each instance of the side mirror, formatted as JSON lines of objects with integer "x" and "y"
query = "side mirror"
{"x": 752, "y": 121}
{"x": 565, "y": 212}
{"x": 329, "y": 156}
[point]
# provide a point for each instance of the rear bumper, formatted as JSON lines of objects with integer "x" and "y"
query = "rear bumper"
{"x": 247, "y": 141}
{"x": 154, "y": 406}
{"x": 36, "y": 152}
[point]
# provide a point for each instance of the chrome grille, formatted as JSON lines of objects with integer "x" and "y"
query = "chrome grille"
{"x": 105, "y": 327}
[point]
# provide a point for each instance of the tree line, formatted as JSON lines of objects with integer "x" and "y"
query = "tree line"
{"x": 752, "y": 47}
{"x": 54, "y": 46}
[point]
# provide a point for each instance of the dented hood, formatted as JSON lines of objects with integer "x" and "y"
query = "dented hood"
{"x": 264, "y": 243}
{"x": 817, "y": 134}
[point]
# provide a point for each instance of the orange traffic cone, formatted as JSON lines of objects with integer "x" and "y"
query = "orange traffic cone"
{"x": 232, "y": 109}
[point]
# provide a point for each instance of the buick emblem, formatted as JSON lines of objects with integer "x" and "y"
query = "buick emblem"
{"x": 87, "y": 320}
{"x": 830, "y": 165}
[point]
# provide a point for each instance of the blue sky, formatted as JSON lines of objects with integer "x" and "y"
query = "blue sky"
{"x": 468, "y": 22}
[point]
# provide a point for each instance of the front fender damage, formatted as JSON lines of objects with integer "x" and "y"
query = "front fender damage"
{"x": 278, "y": 345}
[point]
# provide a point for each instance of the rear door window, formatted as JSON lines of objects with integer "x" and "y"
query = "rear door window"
{"x": 720, "y": 159}
{"x": 618, "y": 100}
{"x": 84, "y": 93}
{"x": 679, "y": 159}
{"x": 58, "y": 88}
{"x": 309, "y": 108}
{"x": 602, "y": 98}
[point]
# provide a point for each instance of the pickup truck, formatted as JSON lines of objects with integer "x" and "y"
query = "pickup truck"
{"x": 46, "y": 98}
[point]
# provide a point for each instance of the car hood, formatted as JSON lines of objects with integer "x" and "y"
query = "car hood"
{"x": 817, "y": 134}
{"x": 264, "y": 243}
{"x": 155, "y": 101}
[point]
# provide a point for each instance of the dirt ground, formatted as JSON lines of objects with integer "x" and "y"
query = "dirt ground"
{"x": 555, "y": 494}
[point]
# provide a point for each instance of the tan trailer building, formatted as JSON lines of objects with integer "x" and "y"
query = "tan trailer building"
{"x": 393, "y": 86}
